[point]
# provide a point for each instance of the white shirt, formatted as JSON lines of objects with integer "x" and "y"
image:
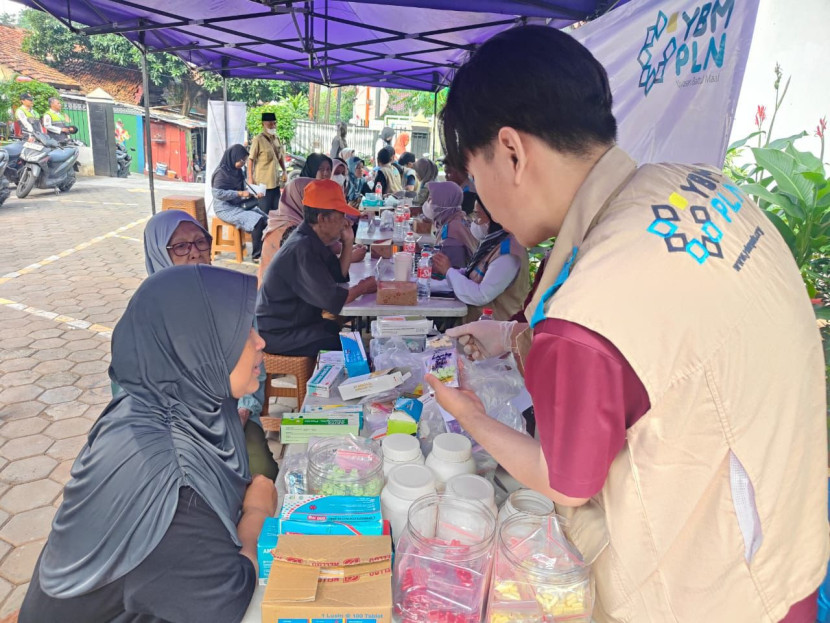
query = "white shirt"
{"x": 500, "y": 274}
{"x": 24, "y": 120}
{"x": 47, "y": 123}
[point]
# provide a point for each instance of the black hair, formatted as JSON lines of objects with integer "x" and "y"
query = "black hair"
{"x": 312, "y": 215}
{"x": 384, "y": 157}
{"x": 533, "y": 79}
{"x": 287, "y": 233}
{"x": 494, "y": 226}
{"x": 407, "y": 157}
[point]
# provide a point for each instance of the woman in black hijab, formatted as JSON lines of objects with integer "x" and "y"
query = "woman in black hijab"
{"x": 160, "y": 519}
{"x": 234, "y": 202}
{"x": 317, "y": 166}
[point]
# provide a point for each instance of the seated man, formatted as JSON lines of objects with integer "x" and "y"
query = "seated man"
{"x": 306, "y": 277}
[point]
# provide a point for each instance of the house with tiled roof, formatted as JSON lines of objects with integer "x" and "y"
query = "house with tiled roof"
{"x": 123, "y": 84}
{"x": 14, "y": 61}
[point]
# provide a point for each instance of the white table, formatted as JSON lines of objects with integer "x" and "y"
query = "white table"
{"x": 364, "y": 237}
{"x": 367, "y": 306}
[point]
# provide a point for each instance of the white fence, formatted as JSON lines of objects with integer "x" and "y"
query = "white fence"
{"x": 317, "y": 137}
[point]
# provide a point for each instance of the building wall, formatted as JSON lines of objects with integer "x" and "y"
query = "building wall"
{"x": 793, "y": 34}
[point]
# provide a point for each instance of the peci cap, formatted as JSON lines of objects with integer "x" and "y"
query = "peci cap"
{"x": 269, "y": 116}
{"x": 327, "y": 195}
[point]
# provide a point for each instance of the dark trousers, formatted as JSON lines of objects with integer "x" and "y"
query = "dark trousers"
{"x": 256, "y": 238}
{"x": 305, "y": 341}
{"x": 271, "y": 200}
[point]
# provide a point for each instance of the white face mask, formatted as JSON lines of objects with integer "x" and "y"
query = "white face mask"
{"x": 339, "y": 178}
{"x": 427, "y": 210}
{"x": 271, "y": 131}
{"x": 479, "y": 230}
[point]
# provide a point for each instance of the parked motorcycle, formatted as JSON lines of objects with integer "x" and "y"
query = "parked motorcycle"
{"x": 14, "y": 164}
{"x": 294, "y": 164}
{"x": 123, "y": 159}
{"x": 5, "y": 191}
{"x": 47, "y": 164}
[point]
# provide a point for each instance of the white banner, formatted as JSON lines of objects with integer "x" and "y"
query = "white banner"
{"x": 216, "y": 144}
{"x": 676, "y": 68}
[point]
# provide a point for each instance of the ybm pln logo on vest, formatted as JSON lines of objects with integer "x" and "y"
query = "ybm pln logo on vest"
{"x": 688, "y": 45}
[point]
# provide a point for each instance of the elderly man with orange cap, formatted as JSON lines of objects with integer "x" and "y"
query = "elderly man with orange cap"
{"x": 306, "y": 277}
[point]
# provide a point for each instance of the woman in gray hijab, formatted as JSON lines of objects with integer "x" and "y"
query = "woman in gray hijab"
{"x": 160, "y": 519}
{"x": 174, "y": 238}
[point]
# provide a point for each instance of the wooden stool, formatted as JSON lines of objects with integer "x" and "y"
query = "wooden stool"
{"x": 192, "y": 204}
{"x": 226, "y": 239}
{"x": 300, "y": 368}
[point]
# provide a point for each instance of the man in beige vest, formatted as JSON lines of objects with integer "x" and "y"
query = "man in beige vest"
{"x": 675, "y": 365}
{"x": 264, "y": 159}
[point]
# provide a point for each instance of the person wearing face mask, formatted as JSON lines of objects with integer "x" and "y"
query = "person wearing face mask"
{"x": 451, "y": 231}
{"x": 265, "y": 156}
{"x": 498, "y": 275}
{"x": 339, "y": 172}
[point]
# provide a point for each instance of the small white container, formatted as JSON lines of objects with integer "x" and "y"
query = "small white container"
{"x": 399, "y": 449}
{"x": 406, "y": 484}
{"x": 473, "y": 487}
{"x": 525, "y": 501}
{"x": 452, "y": 455}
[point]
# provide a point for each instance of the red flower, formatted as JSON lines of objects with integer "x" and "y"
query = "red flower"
{"x": 760, "y": 116}
{"x": 821, "y": 127}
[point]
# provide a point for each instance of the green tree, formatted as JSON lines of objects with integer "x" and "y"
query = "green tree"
{"x": 10, "y": 92}
{"x": 8, "y": 19}
{"x": 287, "y": 112}
{"x": 419, "y": 102}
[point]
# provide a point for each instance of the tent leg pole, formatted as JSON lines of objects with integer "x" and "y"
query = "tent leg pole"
{"x": 434, "y": 122}
{"x": 148, "y": 139}
{"x": 225, "y": 107}
{"x": 339, "y": 98}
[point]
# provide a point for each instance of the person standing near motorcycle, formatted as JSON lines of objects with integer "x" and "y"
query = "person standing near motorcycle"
{"x": 56, "y": 122}
{"x": 25, "y": 115}
{"x": 266, "y": 154}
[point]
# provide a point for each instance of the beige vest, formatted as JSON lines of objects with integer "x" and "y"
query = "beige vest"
{"x": 509, "y": 302}
{"x": 715, "y": 510}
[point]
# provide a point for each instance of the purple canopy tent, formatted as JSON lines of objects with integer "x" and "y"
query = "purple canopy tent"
{"x": 409, "y": 44}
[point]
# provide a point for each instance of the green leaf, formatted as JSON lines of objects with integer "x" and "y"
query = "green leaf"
{"x": 815, "y": 178}
{"x": 783, "y": 167}
{"x": 822, "y": 313}
{"x": 824, "y": 201}
{"x": 743, "y": 141}
{"x": 805, "y": 159}
{"x": 783, "y": 229}
{"x": 781, "y": 143}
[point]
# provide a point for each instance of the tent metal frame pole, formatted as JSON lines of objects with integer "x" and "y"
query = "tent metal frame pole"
{"x": 434, "y": 122}
{"x": 225, "y": 110}
{"x": 148, "y": 137}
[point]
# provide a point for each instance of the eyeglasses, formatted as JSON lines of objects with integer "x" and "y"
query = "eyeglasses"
{"x": 183, "y": 248}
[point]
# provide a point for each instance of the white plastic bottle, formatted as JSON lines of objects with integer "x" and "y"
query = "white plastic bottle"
{"x": 452, "y": 454}
{"x": 424, "y": 276}
{"x": 486, "y": 314}
{"x": 406, "y": 484}
{"x": 474, "y": 487}
{"x": 399, "y": 449}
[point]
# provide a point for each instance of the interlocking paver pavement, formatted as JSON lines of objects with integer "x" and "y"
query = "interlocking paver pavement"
{"x": 69, "y": 264}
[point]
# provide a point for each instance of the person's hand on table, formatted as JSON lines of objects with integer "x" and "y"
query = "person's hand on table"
{"x": 358, "y": 253}
{"x": 261, "y": 496}
{"x": 368, "y": 285}
{"x": 463, "y": 404}
{"x": 441, "y": 264}
{"x": 486, "y": 338}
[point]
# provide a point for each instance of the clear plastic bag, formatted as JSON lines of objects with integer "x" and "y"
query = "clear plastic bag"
{"x": 497, "y": 382}
{"x": 396, "y": 354}
{"x": 430, "y": 425}
{"x": 293, "y": 472}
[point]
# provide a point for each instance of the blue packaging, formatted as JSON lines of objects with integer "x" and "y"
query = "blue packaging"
{"x": 265, "y": 544}
{"x": 331, "y": 508}
{"x": 411, "y": 406}
{"x": 354, "y": 355}
{"x": 293, "y": 526}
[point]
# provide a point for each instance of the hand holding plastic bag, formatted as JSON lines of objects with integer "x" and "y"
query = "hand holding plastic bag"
{"x": 484, "y": 339}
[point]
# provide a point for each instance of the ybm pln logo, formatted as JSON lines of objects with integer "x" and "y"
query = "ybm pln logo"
{"x": 689, "y": 42}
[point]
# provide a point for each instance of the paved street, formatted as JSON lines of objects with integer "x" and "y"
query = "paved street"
{"x": 68, "y": 266}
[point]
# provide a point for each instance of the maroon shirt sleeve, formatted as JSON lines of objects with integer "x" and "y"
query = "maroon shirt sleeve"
{"x": 585, "y": 395}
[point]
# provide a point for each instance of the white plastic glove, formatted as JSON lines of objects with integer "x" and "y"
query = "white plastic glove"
{"x": 485, "y": 338}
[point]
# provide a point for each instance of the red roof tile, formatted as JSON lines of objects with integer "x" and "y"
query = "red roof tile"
{"x": 123, "y": 84}
{"x": 13, "y": 57}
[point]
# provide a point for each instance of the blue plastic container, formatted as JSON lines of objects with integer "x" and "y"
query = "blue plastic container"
{"x": 824, "y": 589}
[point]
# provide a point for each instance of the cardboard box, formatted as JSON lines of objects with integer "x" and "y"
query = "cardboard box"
{"x": 300, "y": 427}
{"x": 330, "y": 356}
{"x": 400, "y": 293}
{"x": 330, "y": 578}
{"x": 374, "y": 383}
{"x": 354, "y": 354}
{"x": 325, "y": 379}
{"x": 388, "y": 326}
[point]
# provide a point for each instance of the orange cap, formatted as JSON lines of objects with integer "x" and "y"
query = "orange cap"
{"x": 327, "y": 195}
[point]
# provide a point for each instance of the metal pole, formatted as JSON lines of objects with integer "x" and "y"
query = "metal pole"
{"x": 434, "y": 122}
{"x": 339, "y": 97}
{"x": 225, "y": 107}
{"x": 148, "y": 139}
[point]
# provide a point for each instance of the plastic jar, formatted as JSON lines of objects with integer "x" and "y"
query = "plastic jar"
{"x": 443, "y": 561}
{"x": 406, "y": 483}
{"x": 473, "y": 487}
{"x": 399, "y": 449}
{"x": 525, "y": 501}
{"x": 538, "y": 575}
{"x": 452, "y": 454}
{"x": 345, "y": 466}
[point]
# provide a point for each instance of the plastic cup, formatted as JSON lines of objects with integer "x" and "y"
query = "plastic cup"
{"x": 403, "y": 266}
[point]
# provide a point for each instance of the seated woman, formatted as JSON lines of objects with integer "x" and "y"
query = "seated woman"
{"x": 426, "y": 171}
{"x": 306, "y": 278}
{"x": 339, "y": 173}
{"x": 233, "y": 203}
{"x": 357, "y": 184}
{"x": 409, "y": 180}
{"x": 174, "y": 238}
{"x": 387, "y": 175}
{"x": 317, "y": 166}
{"x": 498, "y": 275}
{"x": 450, "y": 226}
{"x": 160, "y": 519}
